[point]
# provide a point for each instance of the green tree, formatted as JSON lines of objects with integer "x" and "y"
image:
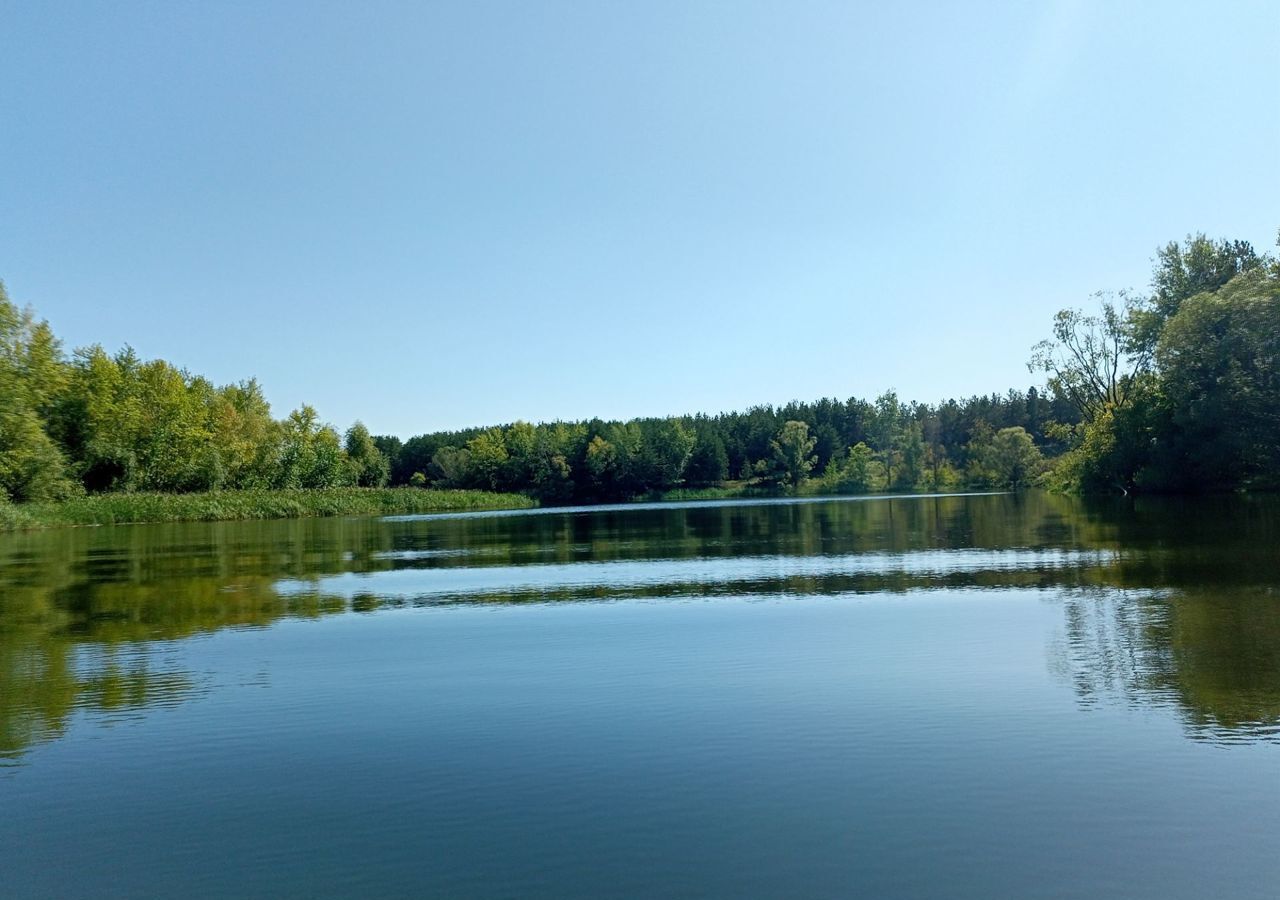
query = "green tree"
{"x": 884, "y": 425}
{"x": 310, "y": 453}
{"x": 31, "y": 467}
{"x": 127, "y": 424}
{"x": 793, "y": 453}
{"x": 853, "y": 473}
{"x": 1092, "y": 360}
{"x": 32, "y": 374}
{"x": 1219, "y": 364}
{"x": 390, "y": 447}
{"x": 1012, "y": 458}
{"x": 489, "y": 459}
{"x": 665, "y": 450}
{"x": 552, "y": 479}
{"x": 601, "y": 461}
{"x": 709, "y": 463}
{"x": 1198, "y": 265}
{"x": 911, "y": 456}
{"x": 451, "y": 467}
{"x": 366, "y": 464}
{"x": 174, "y": 444}
{"x": 1110, "y": 453}
{"x": 978, "y": 471}
{"x": 246, "y": 436}
{"x": 521, "y": 440}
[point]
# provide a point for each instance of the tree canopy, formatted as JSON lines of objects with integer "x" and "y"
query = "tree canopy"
{"x": 1179, "y": 390}
{"x": 1176, "y": 389}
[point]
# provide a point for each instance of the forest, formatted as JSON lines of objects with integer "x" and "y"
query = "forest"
{"x": 1175, "y": 389}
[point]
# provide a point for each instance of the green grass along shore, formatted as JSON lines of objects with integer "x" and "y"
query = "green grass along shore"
{"x": 215, "y": 506}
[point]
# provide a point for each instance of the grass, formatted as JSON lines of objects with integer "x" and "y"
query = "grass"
{"x": 737, "y": 490}
{"x": 118, "y": 509}
{"x": 814, "y": 487}
{"x": 730, "y": 491}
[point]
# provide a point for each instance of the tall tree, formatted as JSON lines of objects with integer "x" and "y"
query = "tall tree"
{"x": 32, "y": 374}
{"x": 709, "y": 463}
{"x": 489, "y": 459}
{"x": 367, "y": 465}
{"x": 1219, "y": 361}
{"x": 1013, "y": 458}
{"x": 311, "y": 453}
{"x": 1092, "y": 360}
{"x": 1198, "y": 265}
{"x": 793, "y": 453}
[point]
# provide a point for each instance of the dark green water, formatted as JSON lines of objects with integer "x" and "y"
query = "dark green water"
{"x": 928, "y": 697}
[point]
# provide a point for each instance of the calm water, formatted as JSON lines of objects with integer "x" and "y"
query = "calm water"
{"x": 985, "y": 697}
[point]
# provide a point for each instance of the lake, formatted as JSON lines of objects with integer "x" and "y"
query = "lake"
{"x": 963, "y": 696}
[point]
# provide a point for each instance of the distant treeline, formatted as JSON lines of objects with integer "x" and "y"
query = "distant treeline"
{"x": 1176, "y": 389}
{"x": 834, "y": 445}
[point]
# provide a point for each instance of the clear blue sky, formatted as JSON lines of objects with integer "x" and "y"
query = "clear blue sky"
{"x": 439, "y": 215}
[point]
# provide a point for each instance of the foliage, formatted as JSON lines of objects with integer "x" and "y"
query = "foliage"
{"x": 709, "y": 462}
{"x": 99, "y": 422}
{"x": 1219, "y": 359}
{"x": 310, "y": 453}
{"x": 1009, "y": 458}
{"x": 793, "y": 453}
{"x": 851, "y": 474}
{"x": 911, "y": 458}
{"x": 1175, "y": 390}
{"x": 914, "y": 445}
{"x": 31, "y": 376}
{"x": 365, "y": 462}
{"x": 1090, "y": 361}
{"x": 451, "y": 466}
{"x": 488, "y": 458}
{"x": 1196, "y": 266}
{"x": 1196, "y": 406}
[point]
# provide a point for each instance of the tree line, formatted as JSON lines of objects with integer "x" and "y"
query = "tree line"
{"x": 96, "y": 422}
{"x": 1176, "y": 390}
{"x": 1173, "y": 390}
{"x": 852, "y": 446}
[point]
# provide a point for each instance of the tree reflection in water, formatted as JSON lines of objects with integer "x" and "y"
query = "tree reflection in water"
{"x": 1165, "y": 602}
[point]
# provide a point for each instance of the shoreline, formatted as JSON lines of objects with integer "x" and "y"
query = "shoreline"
{"x": 226, "y": 506}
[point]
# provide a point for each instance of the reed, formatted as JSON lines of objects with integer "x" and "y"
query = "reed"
{"x": 117, "y": 509}
{"x": 731, "y": 491}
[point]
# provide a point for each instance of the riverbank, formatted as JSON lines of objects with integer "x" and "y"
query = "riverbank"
{"x": 730, "y": 491}
{"x": 119, "y": 509}
{"x": 736, "y": 490}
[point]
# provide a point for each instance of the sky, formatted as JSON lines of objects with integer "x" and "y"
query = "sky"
{"x": 430, "y": 216}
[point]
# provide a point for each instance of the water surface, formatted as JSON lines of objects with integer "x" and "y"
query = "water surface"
{"x": 916, "y": 697}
